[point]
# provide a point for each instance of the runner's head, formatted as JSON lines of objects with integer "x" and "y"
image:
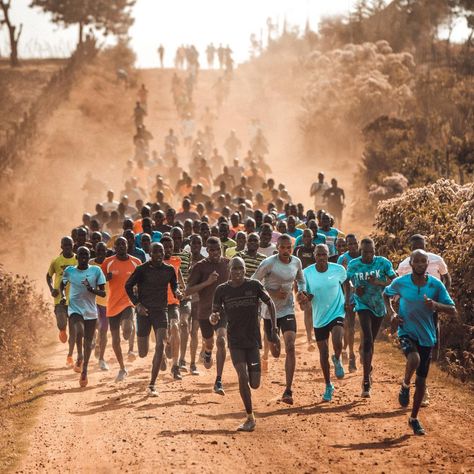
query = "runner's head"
{"x": 213, "y": 246}
{"x": 159, "y": 217}
{"x": 313, "y": 225}
{"x": 334, "y": 182}
{"x": 241, "y": 240}
{"x": 321, "y": 177}
{"x": 147, "y": 225}
{"x": 177, "y": 236}
{"x": 156, "y": 253}
{"x": 170, "y": 215}
{"x": 127, "y": 224}
{"x": 195, "y": 244}
{"x": 66, "y": 246}
{"x": 146, "y": 242}
{"x": 224, "y": 231}
{"x": 282, "y": 227}
{"x": 237, "y": 270}
{"x": 83, "y": 257}
{"x": 326, "y": 221}
{"x": 204, "y": 231}
{"x": 417, "y": 241}
{"x": 249, "y": 225}
{"x": 168, "y": 246}
{"x": 284, "y": 246}
{"x": 341, "y": 246}
{"x": 291, "y": 222}
{"x": 367, "y": 250}
{"x": 235, "y": 219}
{"x": 307, "y": 238}
{"x": 121, "y": 246}
{"x": 130, "y": 236}
{"x": 96, "y": 237}
{"x": 419, "y": 262}
{"x": 266, "y": 233}
{"x": 253, "y": 242}
{"x": 321, "y": 254}
{"x": 186, "y": 204}
{"x": 81, "y": 236}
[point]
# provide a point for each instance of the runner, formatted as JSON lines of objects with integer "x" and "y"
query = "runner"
{"x": 65, "y": 259}
{"x": 278, "y": 274}
{"x": 118, "y": 269}
{"x": 349, "y": 321}
{"x": 369, "y": 274}
{"x": 421, "y": 296}
{"x": 237, "y": 302}
{"x": 152, "y": 280}
{"x": 335, "y": 198}
{"x": 266, "y": 248}
{"x": 251, "y": 257}
{"x": 103, "y": 323}
{"x": 317, "y": 191}
{"x": 324, "y": 288}
{"x": 305, "y": 253}
{"x": 204, "y": 278}
{"x": 85, "y": 283}
{"x": 331, "y": 233}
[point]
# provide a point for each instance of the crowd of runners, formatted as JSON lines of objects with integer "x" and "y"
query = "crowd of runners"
{"x": 218, "y": 257}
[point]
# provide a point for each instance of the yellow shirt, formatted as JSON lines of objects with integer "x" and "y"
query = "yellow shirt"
{"x": 56, "y": 268}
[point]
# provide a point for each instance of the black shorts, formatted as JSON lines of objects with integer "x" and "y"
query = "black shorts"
{"x": 251, "y": 357}
{"x": 409, "y": 345}
{"x": 207, "y": 329}
{"x": 321, "y": 334}
{"x": 125, "y": 314}
{"x": 286, "y": 323}
{"x": 89, "y": 325}
{"x": 155, "y": 319}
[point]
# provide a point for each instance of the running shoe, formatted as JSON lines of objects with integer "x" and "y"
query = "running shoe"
{"x": 352, "y": 364}
{"x": 248, "y": 425}
{"x": 83, "y": 380}
{"x": 264, "y": 363}
{"x": 103, "y": 365}
{"x": 426, "y": 399}
{"x": 327, "y": 397}
{"x": 182, "y": 365}
{"x": 69, "y": 362}
{"x": 175, "y": 373}
{"x": 404, "y": 395}
{"x": 163, "y": 364}
{"x": 287, "y": 397}
{"x": 151, "y": 391}
{"x": 168, "y": 350}
{"x": 311, "y": 347}
{"x": 338, "y": 367}
{"x": 122, "y": 373}
{"x": 207, "y": 360}
{"x": 78, "y": 366}
{"x": 365, "y": 390}
{"x": 219, "y": 388}
{"x": 63, "y": 336}
{"x": 416, "y": 426}
{"x": 131, "y": 356}
{"x": 193, "y": 369}
{"x": 344, "y": 357}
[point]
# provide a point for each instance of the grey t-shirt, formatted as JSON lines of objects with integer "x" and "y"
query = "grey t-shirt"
{"x": 275, "y": 275}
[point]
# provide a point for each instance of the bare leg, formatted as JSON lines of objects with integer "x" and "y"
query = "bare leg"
{"x": 323, "y": 347}
{"x": 160, "y": 335}
{"x": 290, "y": 360}
{"x": 221, "y": 350}
{"x": 183, "y": 335}
{"x": 116, "y": 347}
{"x": 194, "y": 340}
{"x": 174, "y": 340}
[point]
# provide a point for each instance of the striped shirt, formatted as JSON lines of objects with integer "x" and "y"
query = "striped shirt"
{"x": 251, "y": 263}
{"x": 185, "y": 263}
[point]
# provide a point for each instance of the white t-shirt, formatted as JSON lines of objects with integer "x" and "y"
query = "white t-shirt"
{"x": 436, "y": 266}
{"x": 317, "y": 191}
{"x": 108, "y": 206}
{"x": 267, "y": 251}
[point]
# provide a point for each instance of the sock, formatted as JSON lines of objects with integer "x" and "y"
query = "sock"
{"x": 218, "y": 378}
{"x": 250, "y": 416}
{"x": 404, "y": 385}
{"x": 412, "y": 419}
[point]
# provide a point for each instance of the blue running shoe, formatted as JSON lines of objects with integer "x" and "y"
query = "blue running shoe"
{"x": 327, "y": 397}
{"x": 338, "y": 367}
{"x": 416, "y": 426}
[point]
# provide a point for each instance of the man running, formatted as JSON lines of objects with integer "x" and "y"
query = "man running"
{"x": 317, "y": 191}
{"x": 237, "y": 301}
{"x": 85, "y": 283}
{"x": 118, "y": 269}
{"x": 369, "y": 275}
{"x": 151, "y": 300}
{"x": 65, "y": 259}
{"x": 335, "y": 199}
{"x": 349, "y": 321}
{"x": 251, "y": 257}
{"x": 324, "y": 288}
{"x": 305, "y": 253}
{"x": 421, "y": 296}
{"x": 204, "y": 278}
{"x": 278, "y": 275}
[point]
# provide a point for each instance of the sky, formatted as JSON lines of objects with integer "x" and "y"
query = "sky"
{"x": 175, "y": 22}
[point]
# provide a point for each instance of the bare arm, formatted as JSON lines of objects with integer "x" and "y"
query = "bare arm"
{"x": 446, "y": 279}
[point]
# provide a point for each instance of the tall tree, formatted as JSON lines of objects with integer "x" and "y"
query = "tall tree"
{"x": 13, "y": 33}
{"x": 109, "y": 16}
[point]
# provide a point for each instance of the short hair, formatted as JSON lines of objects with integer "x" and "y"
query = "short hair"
{"x": 351, "y": 236}
{"x": 213, "y": 240}
{"x": 367, "y": 241}
{"x": 155, "y": 244}
{"x": 418, "y": 252}
{"x": 235, "y": 260}
{"x": 195, "y": 237}
{"x": 322, "y": 246}
{"x": 417, "y": 237}
{"x": 166, "y": 238}
{"x": 283, "y": 237}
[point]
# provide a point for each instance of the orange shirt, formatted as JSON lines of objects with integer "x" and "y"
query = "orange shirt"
{"x": 121, "y": 270}
{"x": 175, "y": 262}
{"x": 138, "y": 226}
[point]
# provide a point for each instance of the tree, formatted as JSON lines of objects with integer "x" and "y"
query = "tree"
{"x": 13, "y": 34}
{"x": 109, "y": 16}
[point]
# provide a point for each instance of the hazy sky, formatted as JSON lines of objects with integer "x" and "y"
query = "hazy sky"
{"x": 175, "y": 22}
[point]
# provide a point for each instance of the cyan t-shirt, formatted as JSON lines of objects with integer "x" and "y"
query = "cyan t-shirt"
{"x": 417, "y": 318}
{"x": 155, "y": 237}
{"x": 82, "y": 301}
{"x": 328, "y": 300}
{"x": 319, "y": 239}
{"x": 331, "y": 237}
{"x": 345, "y": 259}
{"x": 296, "y": 233}
{"x": 359, "y": 272}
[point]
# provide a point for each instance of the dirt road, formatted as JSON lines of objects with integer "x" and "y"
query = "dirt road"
{"x": 109, "y": 427}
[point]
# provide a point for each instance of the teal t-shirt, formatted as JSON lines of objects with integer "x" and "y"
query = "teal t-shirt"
{"x": 359, "y": 272}
{"x": 417, "y": 318}
{"x": 82, "y": 301}
{"x": 345, "y": 259}
{"x": 331, "y": 237}
{"x": 328, "y": 300}
{"x": 319, "y": 239}
{"x": 296, "y": 233}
